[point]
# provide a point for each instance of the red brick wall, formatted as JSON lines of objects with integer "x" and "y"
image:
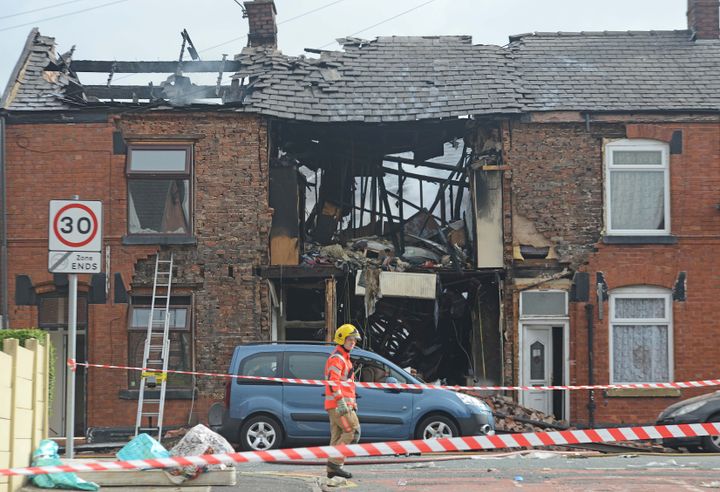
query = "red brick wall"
{"x": 231, "y": 220}
{"x": 557, "y": 183}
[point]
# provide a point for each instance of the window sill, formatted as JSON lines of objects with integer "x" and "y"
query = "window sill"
{"x": 643, "y": 393}
{"x": 170, "y": 394}
{"x": 157, "y": 239}
{"x": 615, "y": 239}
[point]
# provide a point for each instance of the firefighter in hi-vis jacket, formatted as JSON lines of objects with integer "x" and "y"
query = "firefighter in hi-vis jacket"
{"x": 340, "y": 399}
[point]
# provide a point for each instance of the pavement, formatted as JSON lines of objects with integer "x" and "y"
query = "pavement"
{"x": 529, "y": 470}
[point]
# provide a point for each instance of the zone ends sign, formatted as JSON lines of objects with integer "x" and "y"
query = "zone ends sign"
{"x": 75, "y": 226}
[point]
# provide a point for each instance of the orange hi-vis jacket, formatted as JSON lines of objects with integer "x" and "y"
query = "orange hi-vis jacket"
{"x": 339, "y": 368}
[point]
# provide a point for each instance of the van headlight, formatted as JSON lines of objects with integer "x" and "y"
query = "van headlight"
{"x": 473, "y": 402}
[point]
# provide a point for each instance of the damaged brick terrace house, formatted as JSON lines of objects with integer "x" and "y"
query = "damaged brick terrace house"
{"x": 539, "y": 213}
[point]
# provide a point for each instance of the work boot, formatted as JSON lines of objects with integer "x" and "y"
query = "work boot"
{"x": 338, "y": 472}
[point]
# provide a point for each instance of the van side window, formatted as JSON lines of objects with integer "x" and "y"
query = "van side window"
{"x": 305, "y": 365}
{"x": 263, "y": 365}
{"x": 370, "y": 371}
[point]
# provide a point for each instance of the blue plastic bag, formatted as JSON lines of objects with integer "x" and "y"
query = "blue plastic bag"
{"x": 46, "y": 455}
{"x": 142, "y": 447}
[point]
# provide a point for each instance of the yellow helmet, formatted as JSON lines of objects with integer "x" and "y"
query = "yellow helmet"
{"x": 346, "y": 330}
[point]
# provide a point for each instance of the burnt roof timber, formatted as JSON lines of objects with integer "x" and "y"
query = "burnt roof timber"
{"x": 147, "y": 92}
{"x": 154, "y": 66}
{"x": 422, "y": 177}
{"x": 434, "y": 165}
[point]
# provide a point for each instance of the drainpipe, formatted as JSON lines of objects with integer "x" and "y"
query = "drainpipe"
{"x": 3, "y": 231}
{"x": 591, "y": 378}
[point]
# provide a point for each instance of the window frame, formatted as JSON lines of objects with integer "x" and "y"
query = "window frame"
{"x": 186, "y": 174}
{"x": 641, "y": 292}
{"x": 610, "y": 167}
{"x": 144, "y": 303}
{"x": 542, "y": 316}
{"x": 279, "y": 361}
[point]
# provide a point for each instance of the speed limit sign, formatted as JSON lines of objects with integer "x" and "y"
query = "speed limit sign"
{"x": 75, "y": 225}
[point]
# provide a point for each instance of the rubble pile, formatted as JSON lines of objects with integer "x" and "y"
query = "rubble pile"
{"x": 512, "y": 417}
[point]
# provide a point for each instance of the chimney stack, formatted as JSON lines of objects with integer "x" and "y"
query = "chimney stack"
{"x": 261, "y": 19}
{"x": 704, "y": 19}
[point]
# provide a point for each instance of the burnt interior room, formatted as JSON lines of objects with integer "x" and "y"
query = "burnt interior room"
{"x": 390, "y": 213}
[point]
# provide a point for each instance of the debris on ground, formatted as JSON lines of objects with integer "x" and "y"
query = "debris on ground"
{"x": 197, "y": 441}
{"x": 47, "y": 455}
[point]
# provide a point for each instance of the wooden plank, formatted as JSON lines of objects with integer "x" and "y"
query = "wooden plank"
{"x": 39, "y": 391}
{"x": 145, "y": 92}
{"x": 422, "y": 177}
{"x": 163, "y": 488}
{"x": 330, "y": 308}
{"x": 5, "y": 370}
{"x": 22, "y": 423}
{"x": 155, "y": 478}
{"x": 284, "y": 250}
{"x": 23, "y": 389}
{"x": 433, "y": 165}
{"x": 5, "y": 435}
{"x": 20, "y": 457}
{"x": 5, "y": 388}
{"x": 154, "y": 66}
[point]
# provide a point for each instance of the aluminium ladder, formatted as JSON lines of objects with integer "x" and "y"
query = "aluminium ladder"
{"x": 156, "y": 352}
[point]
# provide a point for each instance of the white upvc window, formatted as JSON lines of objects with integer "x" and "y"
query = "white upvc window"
{"x": 641, "y": 335}
{"x": 543, "y": 303}
{"x": 637, "y": 188}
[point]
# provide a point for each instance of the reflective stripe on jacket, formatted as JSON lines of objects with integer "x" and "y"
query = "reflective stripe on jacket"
{"x": 339, "y": 368}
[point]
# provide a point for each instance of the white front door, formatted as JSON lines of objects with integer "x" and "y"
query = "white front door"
{"x": 537, "y": 366}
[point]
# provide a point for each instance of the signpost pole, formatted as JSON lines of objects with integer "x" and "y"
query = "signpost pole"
{"x": 72, "y": 345}
{"x": 74, "y": 246}
{"x": 72, "y": 329}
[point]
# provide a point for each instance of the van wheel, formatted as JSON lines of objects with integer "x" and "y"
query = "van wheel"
{"x": 261, "y": 433}
{"x": 435, "y": 427}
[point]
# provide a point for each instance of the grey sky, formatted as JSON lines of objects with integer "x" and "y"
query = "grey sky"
{"x": 149, "y": 29}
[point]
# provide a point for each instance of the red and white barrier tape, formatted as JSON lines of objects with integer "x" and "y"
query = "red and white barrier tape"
{"x": 525, "y": 440}
{"x": 683, "y": 384}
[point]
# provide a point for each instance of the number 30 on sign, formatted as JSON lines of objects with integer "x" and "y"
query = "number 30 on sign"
{"x": 75, "y": 225}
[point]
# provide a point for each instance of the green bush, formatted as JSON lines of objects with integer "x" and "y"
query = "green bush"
{"x": 40, "y": 335}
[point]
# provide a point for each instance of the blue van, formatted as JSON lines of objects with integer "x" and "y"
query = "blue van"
{"x": 262, "y": 415}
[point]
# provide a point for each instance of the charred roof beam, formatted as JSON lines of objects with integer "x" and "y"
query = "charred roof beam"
{"x": 146, "y": 92}
{"x": 154, "y": 66}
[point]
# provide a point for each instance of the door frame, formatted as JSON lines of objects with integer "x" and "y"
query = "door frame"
{"x": 550, "y": 322}
{"x": 60, "y": 396}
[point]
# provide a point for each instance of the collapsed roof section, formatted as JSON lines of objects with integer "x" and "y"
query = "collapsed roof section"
{"x": 41, "y": 80}
{"x": 389, "y": 79}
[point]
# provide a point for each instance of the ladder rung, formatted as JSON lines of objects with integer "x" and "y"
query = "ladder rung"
{"x": 153, "y": 361}
{"x": 150, "y": 414}
{"x": 156, "y": 347}
{"x": 151, "y": 400}
{"x": 147, "y": 429}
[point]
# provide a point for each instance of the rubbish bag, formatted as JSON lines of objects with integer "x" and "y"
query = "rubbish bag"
{"x": 142, "y": 447}
{"x": 198, "y": 440}
{"x": 47, "y": 455}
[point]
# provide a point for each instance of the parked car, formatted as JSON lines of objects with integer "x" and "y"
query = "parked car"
{"x": 261, "y": 415}
{"x": 705, "y": 408}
